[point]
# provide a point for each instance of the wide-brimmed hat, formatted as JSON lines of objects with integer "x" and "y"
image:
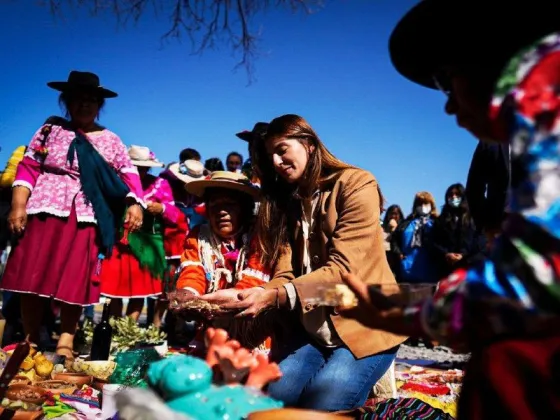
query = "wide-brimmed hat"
{"x": 142, "y": 156}
{"x": 437, "y": 33}
{"x": 83, "y": 80}
{"x": 257, "y": 132}
{"x": 226, "y": 180}
{"x": 188, "y": 171}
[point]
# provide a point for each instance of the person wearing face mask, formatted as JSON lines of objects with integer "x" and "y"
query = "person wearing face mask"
{"x": 454, "y": 237}
{"x": 411, "y": 242}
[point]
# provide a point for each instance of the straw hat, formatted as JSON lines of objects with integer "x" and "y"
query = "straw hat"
{"x": 188, "y": 171}
{"x": 226, "y": 180}
{"x": 142, "y": 156}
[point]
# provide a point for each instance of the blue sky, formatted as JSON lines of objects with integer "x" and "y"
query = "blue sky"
{"x": 331, "y": 67}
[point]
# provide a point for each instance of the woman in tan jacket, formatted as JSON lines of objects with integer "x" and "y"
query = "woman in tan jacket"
{"x": 319, "y": 219}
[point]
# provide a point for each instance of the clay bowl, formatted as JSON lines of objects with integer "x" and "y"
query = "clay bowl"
{"x": 25, "y": 415}
{"x": 14, "y": 393}
{"x": 20, "y": 380}
{"x": 78, "y": 379}
{"x": 99, "y": 369}
{"x": 57, "y": 387}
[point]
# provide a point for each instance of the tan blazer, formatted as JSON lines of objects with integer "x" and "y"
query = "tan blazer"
{"x": 347, "y": 238}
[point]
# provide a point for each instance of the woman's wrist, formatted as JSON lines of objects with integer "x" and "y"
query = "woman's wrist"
{"x": 18, "y": 206}
{"x": 131, "y": 200}
{"x": 20, "y": 195}
{"x": 281, "y": 297}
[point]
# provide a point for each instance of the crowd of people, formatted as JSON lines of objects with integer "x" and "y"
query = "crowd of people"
{"x": 88, "y": 220}
{"x": 426, "y": 246}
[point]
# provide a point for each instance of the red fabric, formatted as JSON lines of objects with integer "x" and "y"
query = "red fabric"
{"x": 428, "y": 389}
{"x": 200, "y": 209}
{"x": 514, "y": 379}
{"x": 122, "y": 277}
{"x": 57, "y": 258}
{"x": 174, "y": 237}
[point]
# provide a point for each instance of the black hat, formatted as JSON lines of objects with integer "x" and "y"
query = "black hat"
{"x": 82, "y": 80}
{"x": 258, "y": 131}
{"x": 436, "y": 33}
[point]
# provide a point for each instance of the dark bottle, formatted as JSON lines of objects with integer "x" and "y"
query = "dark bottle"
{"x": 102, "y": 334}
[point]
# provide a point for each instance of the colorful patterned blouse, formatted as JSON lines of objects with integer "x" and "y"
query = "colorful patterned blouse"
{"x": 519, "y": 284}
{"x": 55, "y": 184}
{"x": 207, "y": 265}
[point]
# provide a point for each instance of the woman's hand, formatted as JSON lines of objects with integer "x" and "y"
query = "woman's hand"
{"x": 254, "y": 301}
{"x": 222, "y": 297}
{"x": 367, "y": 314}
{"x": 154, "y": 208}
{"x": 134, "y": 217}
{"x": 17, "y": 219}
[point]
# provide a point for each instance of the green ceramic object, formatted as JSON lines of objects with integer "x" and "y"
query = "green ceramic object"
{"x": 132, "y": 367}
{"x": 185, "y": 383}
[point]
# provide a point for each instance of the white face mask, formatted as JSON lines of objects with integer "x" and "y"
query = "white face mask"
{"x": 424, "y": 209}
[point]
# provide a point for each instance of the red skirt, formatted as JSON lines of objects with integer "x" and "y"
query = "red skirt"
{"x": 122, "y": 276}
{"x": 57, "y": 258}
{"x": 174, "y": 237}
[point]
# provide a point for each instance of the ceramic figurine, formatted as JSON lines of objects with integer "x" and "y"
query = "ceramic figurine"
{"x": 186, "y": 383}
{"x": 238, "y": 364}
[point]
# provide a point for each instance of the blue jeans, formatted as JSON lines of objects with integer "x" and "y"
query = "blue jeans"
{"x": 327, "y": 379}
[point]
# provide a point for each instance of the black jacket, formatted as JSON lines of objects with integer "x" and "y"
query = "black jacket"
{"x": 454, "y": 237}
{"x": 487, "y": 184}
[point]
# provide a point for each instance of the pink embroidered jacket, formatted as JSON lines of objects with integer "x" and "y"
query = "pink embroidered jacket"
{"x": 158, "y": 190}
{"x": 55, "y": 185}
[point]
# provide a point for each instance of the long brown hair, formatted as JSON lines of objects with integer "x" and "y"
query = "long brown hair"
{"x": 277, "y": 194}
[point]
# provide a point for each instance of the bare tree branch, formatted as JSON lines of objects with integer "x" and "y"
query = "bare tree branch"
{"x": 206, "y": 23}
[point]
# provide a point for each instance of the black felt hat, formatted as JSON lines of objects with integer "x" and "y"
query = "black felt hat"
{"x": 83, "y": 80}
{"x": 438, "y": 33}
{"x": 258, "y": 131}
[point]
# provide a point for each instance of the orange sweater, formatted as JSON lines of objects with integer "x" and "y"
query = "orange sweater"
{"x": 205, "y": 269}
